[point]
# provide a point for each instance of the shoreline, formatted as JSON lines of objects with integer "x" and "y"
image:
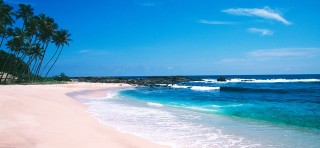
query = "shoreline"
{"x": 48, "y": 116}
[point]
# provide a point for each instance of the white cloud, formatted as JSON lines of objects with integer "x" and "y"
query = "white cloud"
{"x": 284, "y": 52}
{"x": 273, "y": 61}
{"x": 266, "y": 13}
{"x": 216, "y": 22}
{"x": 262, "y": 32}
{"x": 270, "y": 54}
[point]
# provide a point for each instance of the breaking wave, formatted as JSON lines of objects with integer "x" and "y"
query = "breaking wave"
{"x": 204, "y": 88}
{"x": 154, "y": 104}
{"x": 237, "y": 80}
{"x": 196, "y": 88}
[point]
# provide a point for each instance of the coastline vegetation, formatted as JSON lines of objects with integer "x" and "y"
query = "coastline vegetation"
{"x": 61, "y": 77}
{"x": 141, "y": 81}
{"x": 24, "y": 43}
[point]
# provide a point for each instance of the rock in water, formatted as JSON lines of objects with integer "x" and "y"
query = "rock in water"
{"x": 222, "y": 79}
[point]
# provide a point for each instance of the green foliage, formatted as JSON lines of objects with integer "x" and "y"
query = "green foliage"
{"x": 61, "y": 77}
{"x": 20, "y": 68}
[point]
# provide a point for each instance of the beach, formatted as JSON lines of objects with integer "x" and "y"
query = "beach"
{"x": 46, "y": 116}
{"x": 193, "y": 114}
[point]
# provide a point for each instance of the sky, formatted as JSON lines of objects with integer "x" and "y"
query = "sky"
{"x": 193, "y": 37}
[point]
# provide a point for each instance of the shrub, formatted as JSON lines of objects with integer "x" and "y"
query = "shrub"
{"x": 61, "y": 77}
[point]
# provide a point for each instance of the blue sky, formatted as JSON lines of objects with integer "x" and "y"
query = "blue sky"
{"x": 194, "y": 37}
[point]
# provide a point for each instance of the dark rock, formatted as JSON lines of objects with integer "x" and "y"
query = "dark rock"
{"x": 247, "y": 80}
{"x": 222, "y": 79}
{"x": 145, "y": 81}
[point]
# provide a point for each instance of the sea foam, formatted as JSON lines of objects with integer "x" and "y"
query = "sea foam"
{"x": 155, "y": 104}
{"x": 150, "y": 123}
{"x": 196, "y": 88}
{"x": 237, "y": 80}
{"x": 204, "y": 88}
{"x": 178, "y": 86}
{"x": 190, "y": 125}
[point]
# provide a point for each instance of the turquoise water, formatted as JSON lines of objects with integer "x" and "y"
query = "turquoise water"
{"x": 245, "y": 111}
{"x": 292, "y": 102}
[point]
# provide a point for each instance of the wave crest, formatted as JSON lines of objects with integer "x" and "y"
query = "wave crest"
{"x": 196, "y": 88}
{"x": 178, "y": 86}
{"x": 237, "y": 80}
{"x": 154, "y": 104}
{"x": 204, "y": 88}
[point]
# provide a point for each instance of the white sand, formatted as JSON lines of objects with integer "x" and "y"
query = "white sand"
{"x": 44, "y": 116}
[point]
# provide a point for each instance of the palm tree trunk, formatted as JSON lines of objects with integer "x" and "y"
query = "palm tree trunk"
{"x": 3, "y": 36}
{"x": 50, "y": 60}
{"x": 4, "y": 67}
{"x": 29, "y": 65}
{"x": 41, "y": 61}
{"x": 2, "y": 39}
{"x": 21, "y": 74}
{"x": 54, "y": 61}
{"x": 27, "y": 71}
{"x": 10, "y": 67}
{"x": 33, "y": 68}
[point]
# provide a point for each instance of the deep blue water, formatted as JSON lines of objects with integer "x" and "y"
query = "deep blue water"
{"x": 291, "y": 100}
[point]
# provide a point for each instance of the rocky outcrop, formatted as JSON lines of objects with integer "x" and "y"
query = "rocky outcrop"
{"x": 146, "y": 81}
{"x": 9, "y": 79}
{"x": 223, "y": 79}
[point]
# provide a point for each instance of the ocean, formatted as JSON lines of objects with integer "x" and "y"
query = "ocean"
{"x": 245, "y": 111}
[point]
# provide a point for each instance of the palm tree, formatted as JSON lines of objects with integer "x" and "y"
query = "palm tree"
{"x": 5, "y": 68}
{"x": 37, "y": 53}
{"x": 15, "y": 45}
{"x": 5, "y": 20}
{"x": 28, "y": 44}
{"x": 32, "y": 29}
{"x": 61, "y": 38}
{"x": 46, "y": 32}
{"x": 25, "y": 12}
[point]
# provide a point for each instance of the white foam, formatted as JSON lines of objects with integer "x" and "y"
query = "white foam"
{"x": 150, "y": 123}
{"x": 237, "y": 80}
{"x": 204, "y": 88}
{"x": 162, "y": 84}
{"x": 178, "y": 86}
{"x": 231, "y": 105}
{"x": 196, "y": 88}
{"x": 216, "y": 106}
{"x": 187, "y": 129}
{"x": 155, "y": 104}
{"x": 110, "y": 95}
{"x": 285, "y": 80}
{"x": 234, "y": 105}
{"x": 195, "y": 108}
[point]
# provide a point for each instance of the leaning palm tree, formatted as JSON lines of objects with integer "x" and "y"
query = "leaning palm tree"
{"x": 37, "y": 53}
{"x": 46, "y": 33}
{"x": 28, "y": 44}
{"x": 32, "y": 29}
{"x": 61, "y": 38}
